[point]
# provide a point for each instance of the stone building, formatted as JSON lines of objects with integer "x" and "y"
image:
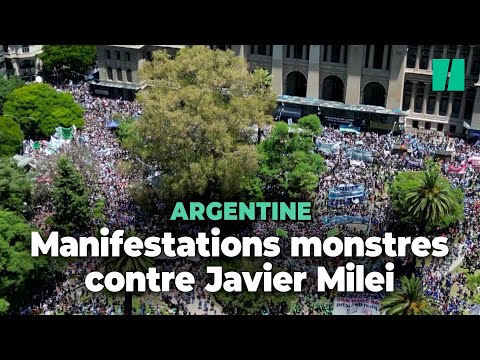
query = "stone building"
{"x": 392, "y": 76}
{"x": 118, "y": 67}
{"x": 22, "y": 60}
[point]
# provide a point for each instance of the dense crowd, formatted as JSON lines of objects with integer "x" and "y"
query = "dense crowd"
{"x": 96, "y": 145}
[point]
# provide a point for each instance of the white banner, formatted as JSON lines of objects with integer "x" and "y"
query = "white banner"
{"x": 356, "y": 306}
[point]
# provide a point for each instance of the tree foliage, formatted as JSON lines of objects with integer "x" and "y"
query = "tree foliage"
{"x": 288, "y": 159}
{"x": 250, "y": 303}
{"x": 70, "y": 199}
{"x": 7, "y": 85}
{"x": 409, "y": 299}
{"x": 11, "y": 136}
{"x": 67, "y": 61}
{"x": 15, "y": 188}
{"x": 426, "y": 198}
{"x": 40, "y": 109}
{"x": 199, "y": 122}
{"x": 21, "y": 274}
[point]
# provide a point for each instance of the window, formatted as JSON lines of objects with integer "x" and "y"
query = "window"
{"x": 108, "y": 55}
{"x": 5, "y": 48}
{"x": 127, "y": 56}
{"x": 335, "y": 55}
{"x": 252, "y": 49}
{"x": 129, "y": 75}
{"x": 428, "y": 125}
{"x": 345, "y": 54}
{"x": 453, "y": 128}
{"x": 288, "y": 51}
{"x": 443, "y": 104}
{"x": 415, "y": 124}
{"x": 25, "y": 49}
{"x": 262, "y": 49}
{"x": 367, "y": 56}
{"x": 110, "y": 73}
{"x": 117, "y": 55}
{"x": 411, "y": 56}
{"x": 325, "y": 47}
{"x": 439, "y": 127}
{"x": 149, "y": 56}
{"x": 119, "y": 74}
{"x": 378, "y": 56}
{"x": 389, "y": 56}
{"x": 297, "y": 51}
{"x": 270, "y": 53}
{"x": 431, "y": 104}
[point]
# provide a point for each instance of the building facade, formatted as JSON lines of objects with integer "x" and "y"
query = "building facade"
{"x": 22, "y": 60}
{"x": 118, "y": 67}
{"x": 392, "y": 76}
{"x": 2, "y": 63}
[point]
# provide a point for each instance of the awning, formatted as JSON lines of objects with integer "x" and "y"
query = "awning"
{"x": 288, "y": 112}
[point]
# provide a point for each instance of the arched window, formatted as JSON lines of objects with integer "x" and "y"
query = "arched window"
{"x": 374, "y": 94}
{"x": 119, "y": 74}
{"x": 333, "y": 88}
{"x": 129, "y": 75}
{"x": 110, "y": 73}
{"x": 296, "y": 84}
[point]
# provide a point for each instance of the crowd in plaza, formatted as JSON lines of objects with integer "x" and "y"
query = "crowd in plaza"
{"x": 96, "y": 144}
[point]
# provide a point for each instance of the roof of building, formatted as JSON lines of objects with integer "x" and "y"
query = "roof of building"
{"x": 338, "y": 105}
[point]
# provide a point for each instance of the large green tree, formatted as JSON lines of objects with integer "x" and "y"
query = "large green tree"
{"x": 15, "y": 187}
{"x": 70, "y": 199}
{"x": 40, "y": 109}
{"x": 288, "y": 160}
{"x": 67, "y": 61}
{"x": 199, "y": 123}
{"x": 7, "y": 85}
{"x": 11, "y": 136}
{"x": 124, "y": 264}
{"x": 250, "y": 303}
{"x": 21, "y": 275}
{"x": 409, "y": 299}
{"x": 427, "y": 199}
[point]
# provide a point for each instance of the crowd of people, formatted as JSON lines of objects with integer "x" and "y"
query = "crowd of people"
{"x": 96, "y": 145}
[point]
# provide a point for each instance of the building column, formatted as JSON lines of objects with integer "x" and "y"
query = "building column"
{"x": 239, "y": 50}
{"x": 475, "y": 123}
{"x": 470, "y": 61}
{"x": 430, "y": 57}
{"x": 329, "y": 53}
{"x": 354, "y": 74}
{"x": 413, "y": 96}
{"x": 436, "y": 109}
{"x": 417, "y": 59}
{"x": 313, "y": 78}
{"x": 459, "y": 49}
{"x": 277, "y": 69}
{"x": 426, "y": 92}
{"x": 385, "y": 57}
{"x": 396, "y": 81}
{"x": 450, "y": 103}
{"x": 342, "y": 53}
{"x": 371, "y": 56}
{"x": 461, "y": 113}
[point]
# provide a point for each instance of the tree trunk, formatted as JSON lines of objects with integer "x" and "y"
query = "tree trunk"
{"x": 127, "y": 306}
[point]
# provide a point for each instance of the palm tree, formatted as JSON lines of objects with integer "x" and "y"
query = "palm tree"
{"x": 431, "y": 200}
{"x": 124, "y": 264}
{"x": 409, "y": 299}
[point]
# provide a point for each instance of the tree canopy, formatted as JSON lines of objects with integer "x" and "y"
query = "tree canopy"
{"x": 288, "y": 160}
{"x": 249, "y": 303}
{"x": 21, "y": 274}
{"x": 70, "y": 199}
{"x": 7, "y": 85}
{"x": 67, "y": 61}
{"x": 199, "y": 123}
{"x": 409, "y": 299}
{"x": 15, "y": 187}
{"x": 426, "y": 198}
{"x": 40, "y": 109}
{"x": 11, "y": 136}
